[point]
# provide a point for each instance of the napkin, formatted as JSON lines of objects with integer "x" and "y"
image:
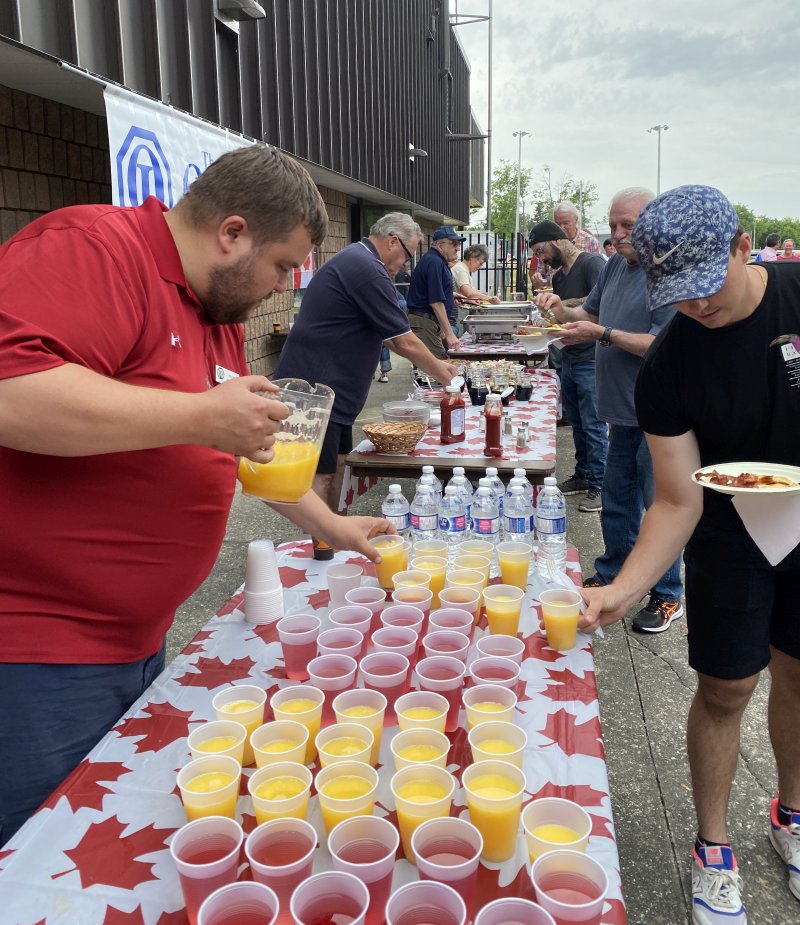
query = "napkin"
{"x": 773, "y": 522}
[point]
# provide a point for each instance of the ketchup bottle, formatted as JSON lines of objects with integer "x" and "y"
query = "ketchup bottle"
{"x": 453, "y": 416}
{"x": 493, "y": 412}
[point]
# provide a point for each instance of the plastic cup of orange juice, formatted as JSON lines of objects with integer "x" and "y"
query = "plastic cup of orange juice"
{"x": 461, "y": 597}
{"x": 283, "y": 740}
{"x": 210, "y": 786}
{"x": 436, "y": 568}
{"x": 473, "y": 563}
{"x": 493, "y": 741}
{"x": 243, "y": 703}
{"x": 345, "y": 789}
{"x": 515, "y": 560}
{"x": 552, "y": 822}
{"x": 503, "y": 605}
{"x": 394, "y": 558}
{"x": 280, "y": 791}
{"x": 420, "y": 746}
{"x": 420, "y": 792}
{"x": 494, "y": 791}
{"x": 489, "y": 703}
{"x": 560, "y": 612}
{"x": 221, "y": 737}
{"x": 365, "y": 708}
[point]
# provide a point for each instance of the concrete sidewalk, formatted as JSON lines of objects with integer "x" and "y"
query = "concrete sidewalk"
{"x": 645, "y": 689}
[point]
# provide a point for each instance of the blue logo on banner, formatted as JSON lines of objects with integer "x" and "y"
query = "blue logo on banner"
{"x": 143, "y": 169}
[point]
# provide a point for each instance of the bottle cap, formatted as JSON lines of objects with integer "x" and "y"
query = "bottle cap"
{"x": 451, "y": 490}
{"x": 427, "y": 470}
{"x": 484, "y": 490}
{"x": 550, "y": 480}
{"x": 491, "y": 471}
{"x": 452, "y": 389}
{"x": 520, "y": 473}
{"x": 492, "y": 396}
{"x": 395, "y": 489}
{"x": 457, "y": 470}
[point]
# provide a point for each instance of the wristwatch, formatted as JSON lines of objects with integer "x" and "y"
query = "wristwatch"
{"x": 605, "y": 340}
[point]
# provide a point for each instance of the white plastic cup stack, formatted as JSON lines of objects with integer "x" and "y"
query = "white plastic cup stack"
{"x": 263, "y": 592}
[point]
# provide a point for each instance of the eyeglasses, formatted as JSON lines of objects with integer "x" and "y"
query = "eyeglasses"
{"x": 409, "y": 255}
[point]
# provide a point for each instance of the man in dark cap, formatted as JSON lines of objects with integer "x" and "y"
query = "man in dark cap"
{"x": 722, "y": 383}
{"x": 431, "y": 306}
{"x": 576, "y": 273}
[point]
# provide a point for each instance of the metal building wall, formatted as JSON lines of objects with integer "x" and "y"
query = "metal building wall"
{"x": 347, "y": 84}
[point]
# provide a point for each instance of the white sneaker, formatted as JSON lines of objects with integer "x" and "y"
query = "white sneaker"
{"x": 786, "y": 841}
{"x": 716, "y": 887}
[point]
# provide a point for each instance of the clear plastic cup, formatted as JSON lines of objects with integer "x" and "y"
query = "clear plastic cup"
{"x": 422, "y": 710}
{"x": 209, "y": 786}
{"x": 206, "y": 854}
{"x": 498, "y": 741}
{"x": 288, "y": 476}
{"x": 354, "y": 616}
{"x": 449, "y": 851}
{"x": 283, "y": 740}
{"x": 452, "y": 618}
{"x": 342, "y": 577}
{"x": 263, "y": 607}
{"x": 431, "y": 548}
{"x": 436, "y": 567}
{"x": 298, "y": 636}
{"x": 240, "y": 902}
{"x": 459, "y": 597}
{"x": 388, "y": 673}
{"x": 364, "y": 708}
{"x": 326, "y": 896}
{"x": 446, "y": 642}
{"x": 403, "y": 615}
{"x": 245, "y": 704}
{"x": 220, "y": 737}
{"x": 280, "y": 791}
{"x": 394, "y": 558}
{"x": 365, "y": 846}
{"x": 420, "y": 746}
{"x": 571, "y": 886}
{"x": 345, "y": 789}
{"x": 494, "y": 792}
{"x": 402, "y": 639}
{"x": 416, "y": 596}
{"x": 344, "y": 742}
{"x": 514, "y": 560}
{"x": 281, "y": 855}
{"x": 503, "y": 605}
{"x": 551, "y": 823}
{"x": 341, "y": 640}
{"x": 411, "y": 578}
{"x": 465, "y": 578}
{"x": 443, "y": 675}
{"x": 488, "y": 703}
{"x": 423, "y": 902}
{"x": 491, "y": 669}
{"x": 512, "y": 909}
{"x": 473, "y": 563}
{"x": 301, "y": 703}
{"x": 420, "y": 792}
{"x": 261, "y": 569}
{"x": 332, "y": 674}
{"x": 502, "y": 646}
{"x": 374, "y": 598}
{"x": 476, "y": 548}
{"x": 560, "y": 612}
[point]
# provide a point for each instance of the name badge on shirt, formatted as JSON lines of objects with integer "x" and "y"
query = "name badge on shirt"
{"x": 223, "y": 375}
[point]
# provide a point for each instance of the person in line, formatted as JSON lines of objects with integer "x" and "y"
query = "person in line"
{"x": 788, "y": 252}
{"x": 608, "y": 248}
{"x": 472, "y": 260}
{"x": 575, "y": 275}
{"x": 567, "y": 215}
{"x": 769, "y": 252}
{"x": 348, "y": 311}
{"x": 431, "y": 305}
{"x": 124, "y": 403}
{"x": 616, "y": 319}
{"x": 699, "y": 411}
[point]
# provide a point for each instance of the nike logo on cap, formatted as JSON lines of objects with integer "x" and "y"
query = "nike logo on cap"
{"x": 659, "y": 260}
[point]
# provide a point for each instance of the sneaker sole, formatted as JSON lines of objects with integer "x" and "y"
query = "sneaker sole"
{"x": 795, "y": 890}
{"x": 659, "y": 629}
{"x": 585, "y": 509}
{"x": 572, "y": 491}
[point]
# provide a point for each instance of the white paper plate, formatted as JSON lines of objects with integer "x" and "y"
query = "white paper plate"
{"x": 756, "y": 468}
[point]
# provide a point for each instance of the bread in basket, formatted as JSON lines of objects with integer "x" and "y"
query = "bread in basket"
{"x": 394, "y": 437}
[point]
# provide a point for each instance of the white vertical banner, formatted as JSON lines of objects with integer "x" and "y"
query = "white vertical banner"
{"x": 156, "y": 150}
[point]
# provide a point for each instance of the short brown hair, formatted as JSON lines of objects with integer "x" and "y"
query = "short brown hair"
{"x": 270, "y": 190}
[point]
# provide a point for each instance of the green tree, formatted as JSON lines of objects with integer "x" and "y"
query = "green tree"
{"x": 759, "y": 226}
{"x": 547, "y": 193}
{"x": 504, "y": 196}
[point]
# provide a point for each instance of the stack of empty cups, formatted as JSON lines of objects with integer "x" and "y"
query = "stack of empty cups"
{"x": 263, "y": 592}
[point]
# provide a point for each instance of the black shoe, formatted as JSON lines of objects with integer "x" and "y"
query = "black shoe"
{"x": 573, "y": 486}
{"x": 657, "y": 615}
{"x": 593, "y": 582}
{"x": 592, "y": 502}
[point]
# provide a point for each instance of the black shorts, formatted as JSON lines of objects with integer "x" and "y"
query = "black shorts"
{"x": 338, "y": 442}
{"x": 734, "y": 614}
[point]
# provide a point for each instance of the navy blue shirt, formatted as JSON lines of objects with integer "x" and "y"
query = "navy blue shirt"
{"x": 431, "y": 281}
{"x": 348, "y": 310}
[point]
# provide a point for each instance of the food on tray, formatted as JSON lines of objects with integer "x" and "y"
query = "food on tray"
{"x": 746, "y": 480}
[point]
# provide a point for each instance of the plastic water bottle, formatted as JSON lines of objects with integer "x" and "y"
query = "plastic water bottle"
{"x": 424, "y": 515}
{"x": 485, "y": 515}
{"x": 465, "y": 493}
{"x": 551, "y": 529}
{"x": 522, "y": 474}
{"x": 518, "y": 518}
{"x": 397, "y": 511}
{"x": 437, "y": 485}
{"x": 452, "y": 520}
{"x": 498, "y": 487}
{"x": 458, "y": 472}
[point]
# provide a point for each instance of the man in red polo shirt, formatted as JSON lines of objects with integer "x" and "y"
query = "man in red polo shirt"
{"x": 124, "y": 402}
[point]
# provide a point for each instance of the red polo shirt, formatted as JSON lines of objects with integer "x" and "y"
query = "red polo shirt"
{"x": 97, "y": 552}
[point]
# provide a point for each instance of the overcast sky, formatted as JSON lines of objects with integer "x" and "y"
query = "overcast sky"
{"x": 588, "y": 79}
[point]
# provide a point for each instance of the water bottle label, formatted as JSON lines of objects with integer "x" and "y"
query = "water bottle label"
{"x": 531, "y": 523}
{"x": 399, "y": 521}
{"x": 424, "y": 521}
{"x": 550, "y": 526}
{"x": 486, "y": 526}
{"x": 517, "y": 524}
{"x": 453, "y": 524}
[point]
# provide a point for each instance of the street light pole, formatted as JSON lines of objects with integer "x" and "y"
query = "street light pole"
{"x": 519, "y": 135}
{"x": 659, "y": 129}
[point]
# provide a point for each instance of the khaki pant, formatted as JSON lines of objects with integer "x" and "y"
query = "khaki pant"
{"x": 426, "y": 327}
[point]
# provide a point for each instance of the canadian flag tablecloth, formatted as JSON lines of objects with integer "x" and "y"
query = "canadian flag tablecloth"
{"x": 97, "y": 852}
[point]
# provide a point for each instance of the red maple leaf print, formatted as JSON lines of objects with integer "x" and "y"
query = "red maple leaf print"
{"x": 569, "y": 687}
{"x": 231, "y": 604}
{"x": 319, "y": 599}
{"x": 575, "y": 738}
{"x": 134, "y": 917}
{"x": 87, "y": 785}
{"x": 213, "y": 672}
{"x": 600, "y": 826}
{"x": 198, "y": 643}
{"x": 173, "y": 918}
{"x": 291, "y": 576}
{"x": 616, "y": 915}
{"x": 266, "y": 632}
{"x": 104, "y": 856}
{"x": 170, "y": 724}
{"x": 536, "y": 647}
{"x": 487, "y": 886}
{"x": 581, "y": 794}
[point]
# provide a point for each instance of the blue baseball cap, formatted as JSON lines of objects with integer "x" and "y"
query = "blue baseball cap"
{"x": 682, "y": 239}
{"x": 446, "y": 231}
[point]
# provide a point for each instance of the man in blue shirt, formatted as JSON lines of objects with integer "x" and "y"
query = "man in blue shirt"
{"x": 431, "y": 306}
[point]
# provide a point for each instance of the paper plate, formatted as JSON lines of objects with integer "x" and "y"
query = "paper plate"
{"x": 755, "y": 468}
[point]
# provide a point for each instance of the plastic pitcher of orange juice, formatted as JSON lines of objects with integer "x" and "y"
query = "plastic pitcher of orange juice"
{"x": 297, "y": 444}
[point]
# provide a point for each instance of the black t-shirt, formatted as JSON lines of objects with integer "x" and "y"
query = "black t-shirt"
{"x": 740, "y": 394}
{"x": 577, "y": 284}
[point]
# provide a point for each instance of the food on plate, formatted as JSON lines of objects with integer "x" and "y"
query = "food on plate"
{"x": 539, "y": 326}
{"x": 745, "y": 480}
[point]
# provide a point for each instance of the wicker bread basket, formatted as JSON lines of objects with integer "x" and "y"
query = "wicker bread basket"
{"x": 394, "y": 437}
